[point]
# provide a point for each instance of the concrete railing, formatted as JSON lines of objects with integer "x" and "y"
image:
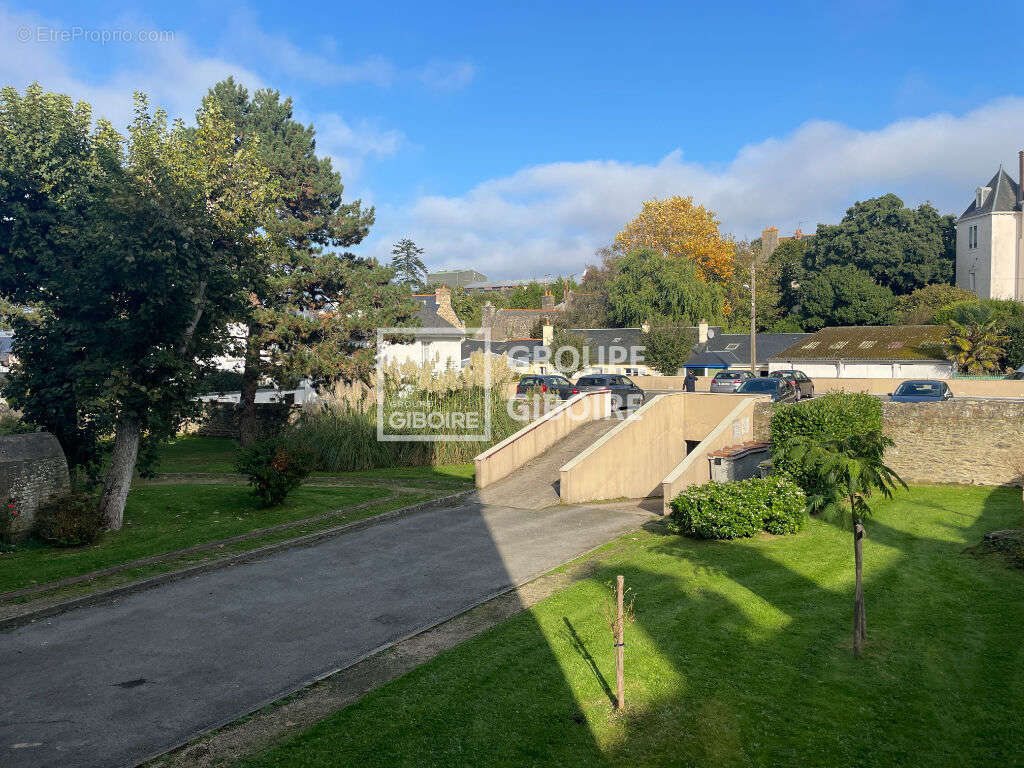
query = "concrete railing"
{"x": 502, "y": 459}
{"x": 960, "y": 387}
{"x": 632, "y": 459}
{"x": 695, "y": 469}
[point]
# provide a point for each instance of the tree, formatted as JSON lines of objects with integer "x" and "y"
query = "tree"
{"x": 309, "y": 311}
{"x": 526, "y": 296}
{"x": 769, "y": 310}
{"x": 844, "y": 296}
{"x": 646, "y": 285}
{"x": 407, "y": 265}
{"x": 976, "y": 348}
{"x": 900, "y": 248}
{"x": 677, "y": 229}
{"x": 569, "y": 352}
{"x": 667, "y": 349}
{"x": 1014, "y": 332}
{"x": 133, "y": 251}
{"x": 847, "y": 471}
{"x": 919, "y": 307}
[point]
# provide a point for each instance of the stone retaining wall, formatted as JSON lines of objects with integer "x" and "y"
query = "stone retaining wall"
{"x": 32, "y": 469}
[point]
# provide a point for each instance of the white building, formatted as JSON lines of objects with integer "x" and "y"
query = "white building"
{"x": 990, "y": 239}
{"x": 438, "y": 341}
{"x": 869, "y": 352}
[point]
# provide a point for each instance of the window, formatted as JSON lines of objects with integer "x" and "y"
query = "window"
{"x": 731, "y": 347}
{"x": 866, "y": 344}
{"x": 811, "y": 345}
{"x": 972, "y": 236}
{"x": 895, "y": 344}
{"x": 838, "y": 345}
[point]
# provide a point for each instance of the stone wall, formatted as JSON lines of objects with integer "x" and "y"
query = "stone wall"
{"x": 32, "y": 469}
{"x": 978, "y": 442}
{"x": 221, "y": 419}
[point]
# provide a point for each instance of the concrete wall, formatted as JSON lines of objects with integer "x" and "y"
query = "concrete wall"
{"x": 632, "y": 460}
{"x": 738, "y": 425}
{"x": 978, "y": 442}
{"x": 32, "y": 469}
{"x": 536, "y": 437}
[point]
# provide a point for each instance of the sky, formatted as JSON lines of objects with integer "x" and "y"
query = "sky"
{"x": 518, "y": 138}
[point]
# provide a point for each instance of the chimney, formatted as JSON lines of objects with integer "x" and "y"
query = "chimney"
{"x": 547, "y": 301}
{"x": 547, "y": 334}
{"x": 769, "y": 241}
{"x": 702, "y": 331}
{"x": 1020, "y": 180}
{"x": 443, "y": 298}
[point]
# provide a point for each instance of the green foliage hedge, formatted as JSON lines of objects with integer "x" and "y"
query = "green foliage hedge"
{"x": 774, "y": 505}
{"x": 837, "y": 415}
{"x": 275, "y": 467}
{"x": 71, "y": 520}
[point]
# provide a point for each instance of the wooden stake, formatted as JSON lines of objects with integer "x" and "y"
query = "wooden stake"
{"x": 620, "y": 644}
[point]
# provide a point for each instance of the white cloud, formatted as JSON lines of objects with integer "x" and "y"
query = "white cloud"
{"x": 447, "y": 75}
{"x": 550, "y": 218}
{"x": 349, "y": 145}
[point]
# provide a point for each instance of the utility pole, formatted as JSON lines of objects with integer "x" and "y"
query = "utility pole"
{"x": 753, "y": 319}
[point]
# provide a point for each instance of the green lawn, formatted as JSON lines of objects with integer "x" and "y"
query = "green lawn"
{"x": 164, "y": 518}
{"x": 740, "y": 654}
{"x": 196, "y": 454}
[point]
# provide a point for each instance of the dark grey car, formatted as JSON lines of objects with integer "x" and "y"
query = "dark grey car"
{"x": 625, "y": 394}
{"x": 779, "y": 389}
{"x": 556, "y": 385}
{"x": 800, "y": 381}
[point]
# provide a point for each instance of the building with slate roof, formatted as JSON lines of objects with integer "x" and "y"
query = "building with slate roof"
{"x": 869, "y": 352}
{"x": 990, "y": 239}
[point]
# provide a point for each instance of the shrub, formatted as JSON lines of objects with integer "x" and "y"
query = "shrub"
{"x": 775, "y": 505}
{"x": 71, "y": 520}
{"x": 836, "y": 416}
{"x": 275, "y": 467}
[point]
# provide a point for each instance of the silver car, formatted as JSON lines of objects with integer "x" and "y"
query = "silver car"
{"x": 727, "y": 382}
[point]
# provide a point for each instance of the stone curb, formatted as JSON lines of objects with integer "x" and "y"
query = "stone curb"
{"x": 13, "y": 622}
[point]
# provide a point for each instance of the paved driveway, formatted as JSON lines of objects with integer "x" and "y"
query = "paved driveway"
{"x": 114, "y": 684}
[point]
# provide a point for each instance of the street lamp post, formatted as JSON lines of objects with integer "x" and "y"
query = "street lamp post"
{"x": 753, "y": 320}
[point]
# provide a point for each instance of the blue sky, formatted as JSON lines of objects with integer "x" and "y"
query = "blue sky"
{"x": 516, "y": 140}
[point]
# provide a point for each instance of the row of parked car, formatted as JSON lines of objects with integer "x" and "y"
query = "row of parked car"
{"x": 781, "y": 386}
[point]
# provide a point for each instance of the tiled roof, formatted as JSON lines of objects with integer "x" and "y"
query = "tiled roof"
{"x": 428, "y": 313}
{"x": 871, "y": 342}
{"x": 1002, "y": 197}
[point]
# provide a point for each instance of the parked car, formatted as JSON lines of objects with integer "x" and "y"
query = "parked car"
{"x": 1017, "y": 375}
{"x": 800, "y": 381}
{"x": 779, "y": 389}
{"x": 729, "y": 381}
{"x": 625, "y": 394}
{"x": 922, "y": 391}
{"x": 556, "y": 385}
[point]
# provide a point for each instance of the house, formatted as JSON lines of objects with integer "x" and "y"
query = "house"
{"x": 732, "y": 350}
{"x": 990, "y": 239}
{"x": 869, "y": 352}
{"x": 440, "y": 340}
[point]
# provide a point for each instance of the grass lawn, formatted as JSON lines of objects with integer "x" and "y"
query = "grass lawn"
{"x": 165, "y": 518}
{"x": 740, "y": 654}
{"x": 197, "y": 454}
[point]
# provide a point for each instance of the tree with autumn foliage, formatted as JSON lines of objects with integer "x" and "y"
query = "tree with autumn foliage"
{"x": 677, "y": 228}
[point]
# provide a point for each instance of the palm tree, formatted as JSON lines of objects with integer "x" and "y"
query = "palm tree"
{"x": 846, "y": 471}
{"x": 975, "y": 347}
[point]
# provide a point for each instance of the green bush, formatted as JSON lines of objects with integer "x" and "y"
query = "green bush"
{"x": 774, "y": 505}
{"x": 835, "y": 416}
{"x": 71, "y": 520}
{"x": 275, "y": 467}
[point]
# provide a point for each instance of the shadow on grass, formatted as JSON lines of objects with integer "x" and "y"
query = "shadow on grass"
{"x": 580, "y": 647}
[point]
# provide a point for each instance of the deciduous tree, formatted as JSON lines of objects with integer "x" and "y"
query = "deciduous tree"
{"x": 646, "y": 286}
{"x": 844, "y": 296}
{"x": 678, "y": 229}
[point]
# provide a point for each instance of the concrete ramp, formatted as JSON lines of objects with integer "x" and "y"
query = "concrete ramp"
{"x": 535, "y": 485}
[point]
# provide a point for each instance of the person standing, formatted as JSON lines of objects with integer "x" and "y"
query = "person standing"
{"x": 690, "y": 382}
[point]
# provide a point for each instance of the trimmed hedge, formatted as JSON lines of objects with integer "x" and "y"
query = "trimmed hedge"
{"x": 837, "y": 415}
{"x": 774, "y": 505}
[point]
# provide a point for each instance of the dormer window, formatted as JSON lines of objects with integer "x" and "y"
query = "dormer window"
{"x": 981, "y": 195}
